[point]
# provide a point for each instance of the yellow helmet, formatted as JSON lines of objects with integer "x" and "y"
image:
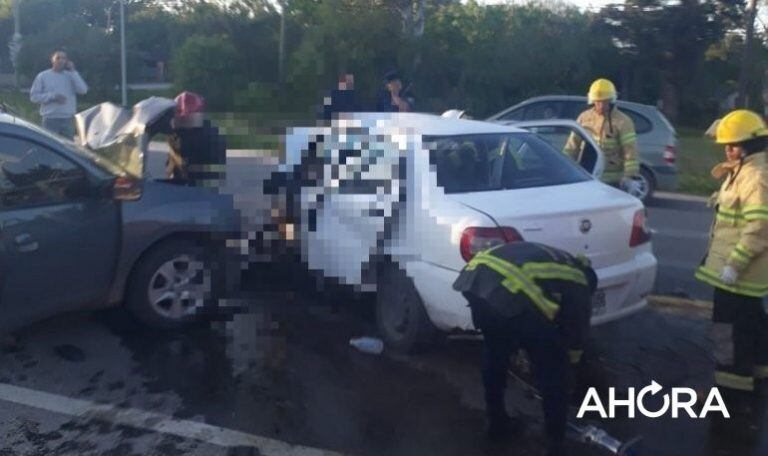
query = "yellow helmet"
{"x": 739, "y": 126}
{"x": 602, "y": 90}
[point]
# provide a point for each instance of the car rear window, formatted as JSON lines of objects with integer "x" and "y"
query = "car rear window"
{"x": 642, "y": 124}
{"x": 486, "y": 162}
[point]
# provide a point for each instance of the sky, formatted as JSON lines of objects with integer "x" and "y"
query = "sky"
{"x": 583, "y": 4}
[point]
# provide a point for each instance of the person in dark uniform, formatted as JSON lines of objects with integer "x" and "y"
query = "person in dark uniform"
{"x": 394, "y": 97}
{"x": 342, "y": 99}
{"x": 537, "y": 298}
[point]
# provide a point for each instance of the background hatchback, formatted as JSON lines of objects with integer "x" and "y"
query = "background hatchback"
{"x": 656, "y": 137}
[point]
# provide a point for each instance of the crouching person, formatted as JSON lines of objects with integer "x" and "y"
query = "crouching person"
{"x": 537, "y": 298}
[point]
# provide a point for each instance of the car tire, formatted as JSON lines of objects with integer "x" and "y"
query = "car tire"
{"x": 171, "y": 284}
{"x": 648, "y": 182}
{"x": 401, "y": 319}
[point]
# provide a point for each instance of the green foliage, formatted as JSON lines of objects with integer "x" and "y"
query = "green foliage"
{"x": 208, "y": 65}
{"x": 482, "y": 58}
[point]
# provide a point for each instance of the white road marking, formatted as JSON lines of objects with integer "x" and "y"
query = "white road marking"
{"x": 681, "y": 197}
{"x": 155, "y": 422}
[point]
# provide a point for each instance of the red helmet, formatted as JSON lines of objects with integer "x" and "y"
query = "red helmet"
{"x": 189, "y": 110}
{"x": 188, "y": 103}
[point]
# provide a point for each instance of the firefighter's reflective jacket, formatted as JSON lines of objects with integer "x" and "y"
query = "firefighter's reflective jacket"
{"x": 739, "y": 235}
{"x": 520, "y": 275}
{"x": 615, "y": 134}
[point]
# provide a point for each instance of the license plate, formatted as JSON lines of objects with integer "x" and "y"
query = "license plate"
{"x": 598, "y": 303}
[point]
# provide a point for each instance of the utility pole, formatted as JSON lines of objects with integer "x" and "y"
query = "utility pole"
{"x": 123, "y": 68}
{"x": 746, "y": 58}
{"x": 15, "y": 45}
{"x": 281, "y": 47}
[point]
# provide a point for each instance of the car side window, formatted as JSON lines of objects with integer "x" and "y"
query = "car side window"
{"x": 642, "y": 125}
{"x": 32, "y": 175}
{"x": 572, "y": 109}
{"x": 517, "y": 114}
{"x": 558, "y": 137}
{"x": 544, "y": 110}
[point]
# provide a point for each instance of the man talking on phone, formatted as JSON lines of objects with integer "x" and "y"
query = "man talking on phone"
{"x": 56, "y": 91}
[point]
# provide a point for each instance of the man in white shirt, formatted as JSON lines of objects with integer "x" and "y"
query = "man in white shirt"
{"x": 56, "y": 91}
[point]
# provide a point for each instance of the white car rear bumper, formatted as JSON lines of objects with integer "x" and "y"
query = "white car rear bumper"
{"x": 626, "y": 287}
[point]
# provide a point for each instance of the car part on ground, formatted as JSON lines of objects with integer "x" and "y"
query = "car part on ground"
{"x": 587, "y": 434}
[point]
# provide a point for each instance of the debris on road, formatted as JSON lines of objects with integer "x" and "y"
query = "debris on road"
{"x": 682, "y": 306}
{"x": 370, "y": 345}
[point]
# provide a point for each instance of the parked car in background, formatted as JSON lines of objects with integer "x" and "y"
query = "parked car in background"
{"x": 656, "y": 137}
{"x": 78, "y": 229}
{"x": 398, "y": 203}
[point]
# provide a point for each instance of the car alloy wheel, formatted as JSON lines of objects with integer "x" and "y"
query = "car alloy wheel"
{"x": 179, "y": 287}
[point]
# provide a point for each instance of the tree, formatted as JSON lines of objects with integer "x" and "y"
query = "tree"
{"x": 208, "y": 65}
{"x": 663, "y": 47}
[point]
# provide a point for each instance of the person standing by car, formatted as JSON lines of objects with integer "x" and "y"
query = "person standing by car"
{"x": 613, "y": 131}
{"x": 538, "y": 298}
{"x": 736, "y": 263}
{"x": 395, "y": 98}
{"x": 56, "y": 91}
{"x": 198, "y": 151}
{"x": 342, "y": 99}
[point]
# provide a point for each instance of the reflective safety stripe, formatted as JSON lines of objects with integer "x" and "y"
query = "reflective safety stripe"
{"x": 628, "y": 138}
{"x": 515, "y": 280}
{"x": 554, "y": 271}
{"x": 733, "y": 381}
{"x": 711, "y": 277}
{"x": 761, "y": 372}
{"x": 749, "y": 213}
{"x": 612, "y": 177}
{"x": 575, "y": 356}
{"x": 756, "y": 213}
{"x": 742, "y": 254}
{"x": 631, "y": 167}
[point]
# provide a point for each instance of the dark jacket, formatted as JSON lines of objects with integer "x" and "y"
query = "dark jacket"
{"x": 550, "y": 280}
{"x": 384, "y": 100}
{"x": 341, "y": 101}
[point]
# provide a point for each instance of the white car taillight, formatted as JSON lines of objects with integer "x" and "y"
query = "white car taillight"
{"x": 126, "y": 189}
{"x": 640, "y": 232}
{"x": 670, "y": 154}
{"x": 476, "y": 239}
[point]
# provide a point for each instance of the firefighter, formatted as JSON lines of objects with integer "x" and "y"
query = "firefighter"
{"x": 613, "y": 131}
{"x": 537, "y": 298}
{"x": 736, "y": 263}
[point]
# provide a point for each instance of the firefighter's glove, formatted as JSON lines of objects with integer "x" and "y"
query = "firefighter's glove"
{"x": 629, "y": 185}
{"x": 729, "y": 276}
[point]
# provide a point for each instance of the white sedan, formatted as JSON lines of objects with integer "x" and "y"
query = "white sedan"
{"x": 398, "y": 203}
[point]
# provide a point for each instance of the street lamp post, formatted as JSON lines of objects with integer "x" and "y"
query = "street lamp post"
{"x": 123, "y": 68}
{"x": 14, "y": 46}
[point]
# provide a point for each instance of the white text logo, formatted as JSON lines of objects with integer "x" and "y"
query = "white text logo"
{"x": 680, "y": 400}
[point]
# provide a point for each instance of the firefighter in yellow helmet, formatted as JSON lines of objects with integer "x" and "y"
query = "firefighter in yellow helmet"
{"x": 736, "y": 263}
{"x": 613, "y": 131}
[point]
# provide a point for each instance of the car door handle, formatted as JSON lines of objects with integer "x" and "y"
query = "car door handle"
{"x": 25, "y": 243}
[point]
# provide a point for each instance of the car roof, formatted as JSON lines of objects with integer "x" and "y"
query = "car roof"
{"x": 434, "y": 125}
{"x": 629, "y": 104}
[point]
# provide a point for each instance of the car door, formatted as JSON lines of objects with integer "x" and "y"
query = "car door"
{"x": 557, "y": 132}
{"x": 58, "y": 237}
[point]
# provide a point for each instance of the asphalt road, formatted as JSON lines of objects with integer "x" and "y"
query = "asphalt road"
{"x": 282, "y": 379}
{"x": 681, "y": 231}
